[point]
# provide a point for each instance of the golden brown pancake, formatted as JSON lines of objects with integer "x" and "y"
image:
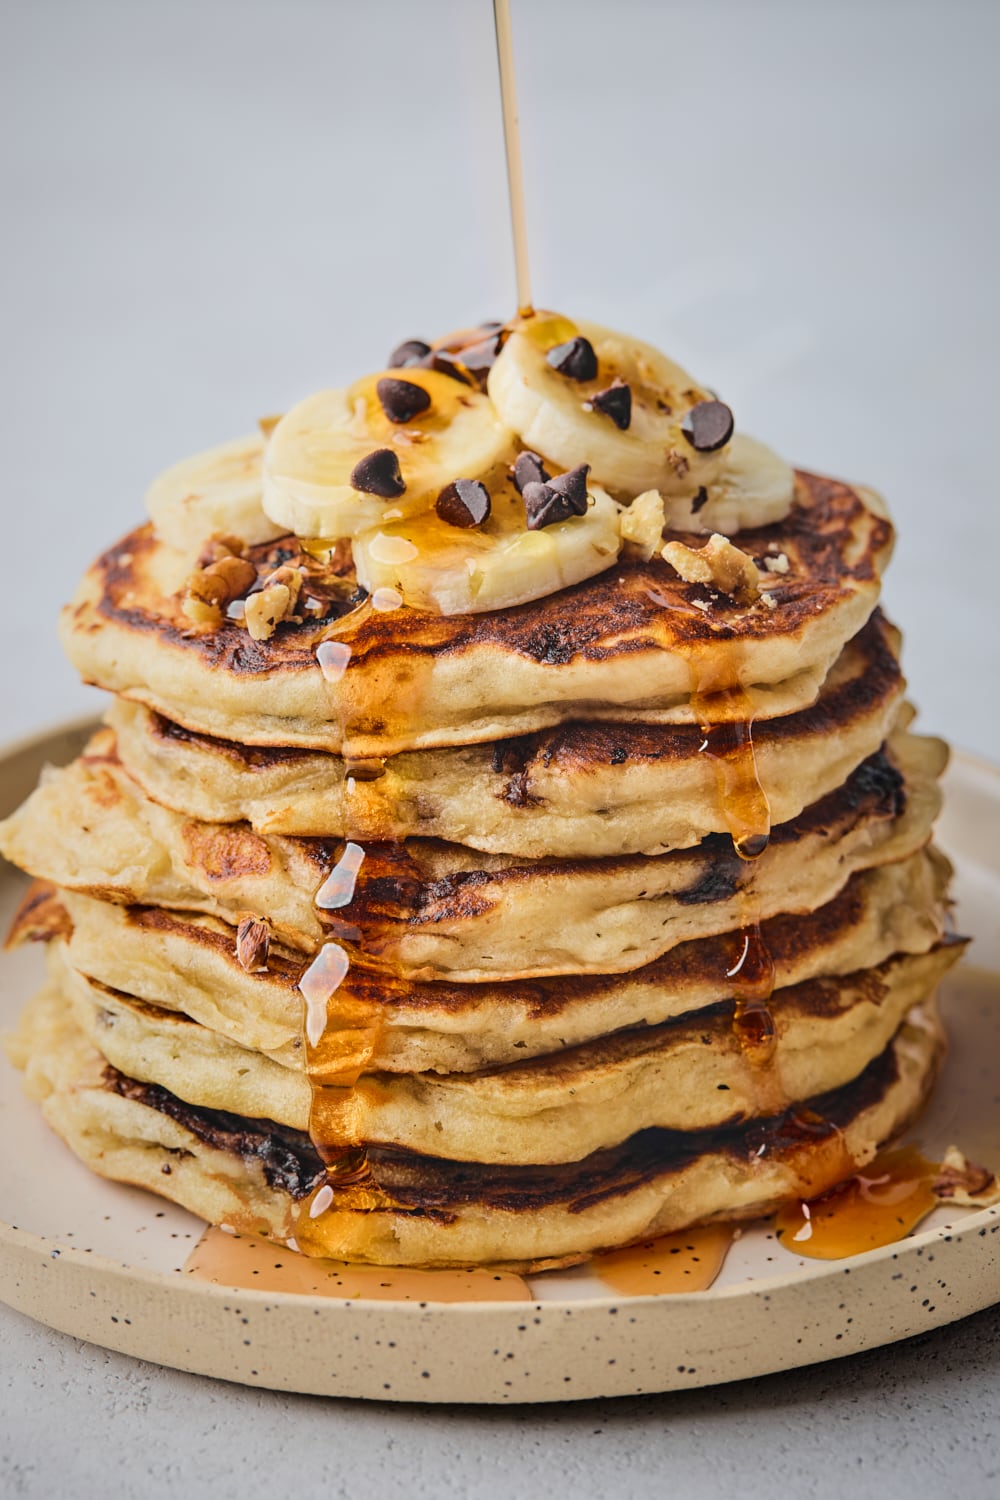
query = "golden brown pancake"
{"x": 188, "y": 963}
{"x": 579, "y": 790}
{"x": 430, "y": 911}
{"x": 258, "y": 1177}
{"x": 634, "y": 642}
{"x": 688, "y": 1075}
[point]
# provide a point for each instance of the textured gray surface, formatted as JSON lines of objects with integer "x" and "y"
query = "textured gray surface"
{"x": 212, "y": 209}
{"x": 921, "y": 1419}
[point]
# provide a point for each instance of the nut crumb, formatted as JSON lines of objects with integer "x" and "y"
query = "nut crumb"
{"x": 718, "y": 563}
{"x": 274, "y": 603}
{"x": 964, "y": 1182}
{"x": 641, "y": 525}
{"x": 777, "y": 564}
{"x": 212, "y": 587}
{"x": 253, "y": 943}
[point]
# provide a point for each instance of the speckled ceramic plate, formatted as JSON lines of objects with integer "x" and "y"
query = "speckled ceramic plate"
{"x": 111, "y": 1264}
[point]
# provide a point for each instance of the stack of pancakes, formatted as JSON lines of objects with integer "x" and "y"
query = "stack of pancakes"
{"x": 476, "y": 949}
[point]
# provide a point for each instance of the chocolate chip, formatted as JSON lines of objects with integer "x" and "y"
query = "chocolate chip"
{"x": 708, "y": 426}
{"x": 469, "y": 362}
{"x": 557, "y": 499}
{"x": 573, "y": 487}
{"x": 616, "y": 403}
{"x": 528, "y": 469}
{"x": 378, "y": 474}
{"x": 576, "y": 359}
{"x": 410, "y": 352}
{"x": 401, "y": 399}
{"x": 699, "y": 500}
{"x": 465, "y": 502}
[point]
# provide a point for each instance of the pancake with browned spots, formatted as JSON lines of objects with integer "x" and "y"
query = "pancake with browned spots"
{"x": 189, "y": 963}
{"x": 413, "y": 1209}
{"x": 579, "y": 790}
{"x": 635, "y": 642}
{"x": 431, "y": 910}
{"x": 689, "y": 1074}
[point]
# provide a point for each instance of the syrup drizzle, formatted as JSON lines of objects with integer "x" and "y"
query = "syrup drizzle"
{"x": 877, "y": 1205}
{"x": 252, "y": 1263}
{"x": 688, "y": 1261}
{"x": 726, "y": 720}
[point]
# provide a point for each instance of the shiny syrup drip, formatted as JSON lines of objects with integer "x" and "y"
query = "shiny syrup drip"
{"x": 688, "y": 1261}
{"x": 877, "y": 1205}
{"x": 250, "y": 1263}
{"x": 726, "y": 719}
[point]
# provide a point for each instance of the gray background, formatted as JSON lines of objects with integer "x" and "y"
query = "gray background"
{"x": 211, "y": 209}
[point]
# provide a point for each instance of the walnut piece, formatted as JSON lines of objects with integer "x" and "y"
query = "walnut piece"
{"x": 718, "y": 564}
{"x": 275, "y": 602}
{"x": 965, "y": 1182}
{"x": 214, "y": 585}
{"x": 253, "y": 943}
{"x": 641, "y": 525}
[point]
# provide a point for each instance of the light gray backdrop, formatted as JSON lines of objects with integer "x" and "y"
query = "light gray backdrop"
{"x": 210, "y": 209}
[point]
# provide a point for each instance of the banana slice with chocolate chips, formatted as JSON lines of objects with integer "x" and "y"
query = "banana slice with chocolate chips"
{"x": 579, "y": 391}
{"x": 342, "y": 461}
{"x": 492, "y": 548}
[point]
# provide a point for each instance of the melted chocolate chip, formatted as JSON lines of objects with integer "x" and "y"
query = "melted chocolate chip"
{"x": 575, "y": 359}
{"x": 469, "y": 362}
{"x": 708, "y": 426}
{"x": 401, "y": 399}
{"x": 573, "y": 487}
{"x": 616, "y": 403}
{"x": 378, "y": 474}
{"x": 699, "y": 500}
{"x": 410, "y": 352}
{"x": 556, "y": 500}
{"x": 465, "y": 502}
{"x": 528, "y": 469}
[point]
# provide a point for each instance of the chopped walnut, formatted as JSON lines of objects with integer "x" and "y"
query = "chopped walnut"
{"x": 253, "y": 943}
{"x": 211, "y": 588}
{"x": 719, "y": 563}
{"x": 641, "y": 525}
{"x": 275, "y": 602}
{"x": 965, "y": 1182}
{"x": 218, "y": 546}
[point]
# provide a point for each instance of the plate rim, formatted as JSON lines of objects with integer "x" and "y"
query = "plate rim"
{"x": 35, "y": 1253}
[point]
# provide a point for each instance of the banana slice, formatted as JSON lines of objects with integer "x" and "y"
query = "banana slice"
{"x": 754, "y": 488}
{"x": 454, "y": 571}
{"x": 215, "y": 491}
{"x": 554, "y": 412}
{"x": 326, "y": 450}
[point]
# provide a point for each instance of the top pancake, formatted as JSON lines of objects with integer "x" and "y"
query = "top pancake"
{"x": 634, "y": 642}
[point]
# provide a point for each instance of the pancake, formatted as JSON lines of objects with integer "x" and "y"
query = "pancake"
{"x": 688, "y": 1075}
{"x": 579, "y": 791}
{"x": 188, "y": 963}
{"x": 636, "y": 641}
{"x": 258, "y": 1177}
{"x": 430, "y": 910}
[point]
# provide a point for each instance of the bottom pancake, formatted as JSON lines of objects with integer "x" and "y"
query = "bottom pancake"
{"x": 261, "y": 1178}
